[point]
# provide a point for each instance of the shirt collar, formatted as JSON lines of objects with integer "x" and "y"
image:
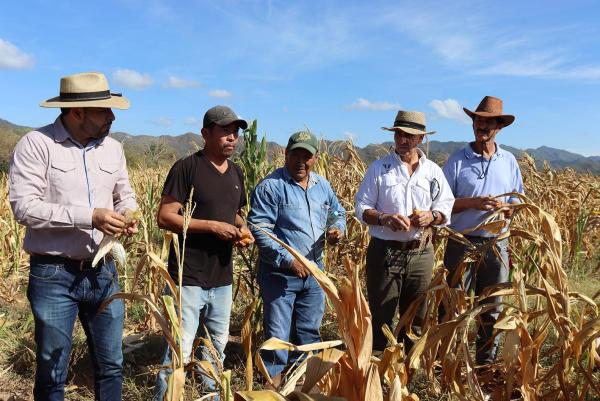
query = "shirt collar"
{"x": 470, "y": 153}
{"x": 61, "y": 134}
{"x": 312, "y": 178}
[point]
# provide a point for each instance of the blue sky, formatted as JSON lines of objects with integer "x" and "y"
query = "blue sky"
{"x": 340, "y": 68}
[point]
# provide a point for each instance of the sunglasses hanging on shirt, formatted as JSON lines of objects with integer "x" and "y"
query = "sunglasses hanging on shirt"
{"x": 484, "y": 172}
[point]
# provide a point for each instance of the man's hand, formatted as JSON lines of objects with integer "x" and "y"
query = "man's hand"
{"x": 131, "y": 229}
{"x": 246, "y": 239}
{"x": 395, "y": 222}
{"x": 421, "y": 218}
{"x": 226, "y": 231}
{"x": 333, "y": 236}
{"x": 108, "y": 221}
{"x": 299, "y": 270}
{"x": 486, "y": 203}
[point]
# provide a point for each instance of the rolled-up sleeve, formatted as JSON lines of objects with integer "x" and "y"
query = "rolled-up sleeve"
{"x": 445, "y": 200}
{"x": 263, "y": 213}
{"x": 27, "y": 187}
{"x": 339, "y": 220}
{"x": 367, "y": 194}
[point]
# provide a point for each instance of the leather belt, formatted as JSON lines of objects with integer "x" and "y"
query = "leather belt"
{"x": 68, "y": 263}
{"x": 400, "y": 245}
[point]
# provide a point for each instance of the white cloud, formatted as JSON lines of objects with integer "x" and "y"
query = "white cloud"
{"x": 132, "y": 79}
{"x": 162, "y": 121}
{"x": 192, "y": 121}
{"x": 451, "y": 110}
{"x": 13, "y": 58}
{"x": 466, "y": 39}
{"x": 365, "y": 104}
{"x": 180, "y": 83}
{"x": 350, "y": 136}
{"x": 219, "y": 93}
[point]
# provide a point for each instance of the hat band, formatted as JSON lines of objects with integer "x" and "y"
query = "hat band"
{"x": 74, "y": 97}
{"x": 418, "y": 126}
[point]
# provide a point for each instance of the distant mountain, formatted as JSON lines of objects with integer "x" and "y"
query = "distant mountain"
{"x": 148, "y": 149}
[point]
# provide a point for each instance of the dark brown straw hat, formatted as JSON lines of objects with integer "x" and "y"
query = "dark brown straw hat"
{"x": 491, "y": 107}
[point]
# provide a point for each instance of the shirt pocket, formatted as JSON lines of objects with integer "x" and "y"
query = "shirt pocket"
{"x": 291, "y": 217}
{"x": 321, "y": 215}
{"x": 422, "y": 194}
{"x": 63, "y": 176}
{"x": 107, "y": 174}
{"x": 390, "y": 189}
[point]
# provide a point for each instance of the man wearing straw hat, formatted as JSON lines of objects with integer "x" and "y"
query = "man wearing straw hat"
{"x": 69, "y": 186}
{"x": 477, "y": 174}
{"x": 401, "y": 195}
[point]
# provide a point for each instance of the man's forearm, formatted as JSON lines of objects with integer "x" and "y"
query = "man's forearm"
{"x": 174, "y": 222}
{"x": 461, "y": 204}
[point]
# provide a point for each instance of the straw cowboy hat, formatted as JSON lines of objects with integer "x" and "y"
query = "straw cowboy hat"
{"x": 491, "y": 107}
{"x": 87, "y": 89}
{"x": 411, "y": 122}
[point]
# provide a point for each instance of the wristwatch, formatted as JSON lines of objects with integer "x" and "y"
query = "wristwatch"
{"x": 435, "y": 214}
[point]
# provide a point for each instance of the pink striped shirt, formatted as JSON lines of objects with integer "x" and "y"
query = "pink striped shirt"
{"x": 55, "y": 184}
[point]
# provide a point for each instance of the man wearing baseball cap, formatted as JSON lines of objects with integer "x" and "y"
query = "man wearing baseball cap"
{"x": 300, "y": 208}
{"x": 69, "y": 186}
{"x": 215, "y": 227}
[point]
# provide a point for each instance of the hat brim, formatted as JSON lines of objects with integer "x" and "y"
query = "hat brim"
{"x": 410, "y": 131}
{"x": 505, "y": 119}
{"x": 114, "y": 102}
{"x": 306, "y": 146}
{"x": 229, "y": 120}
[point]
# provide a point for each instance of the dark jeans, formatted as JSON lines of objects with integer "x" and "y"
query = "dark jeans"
{"x": 57, "y": 296}
{"x": 491, "y": 271}
{"x": 395, "y": 278}
{"x": 293, "y": 309}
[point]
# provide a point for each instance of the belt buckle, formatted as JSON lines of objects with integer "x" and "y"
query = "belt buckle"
{"x": 81, "y": 262}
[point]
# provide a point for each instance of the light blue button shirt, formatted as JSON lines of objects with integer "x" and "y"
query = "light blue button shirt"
{"x": 296, "y": 216}
{"x": 470, "y": 175}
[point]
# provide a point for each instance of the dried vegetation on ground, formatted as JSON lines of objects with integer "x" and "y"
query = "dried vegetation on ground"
{"x": 549, "y": 324}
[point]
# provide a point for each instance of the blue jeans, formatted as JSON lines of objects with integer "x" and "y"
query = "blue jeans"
{"x": 490, "y": 272}
{"x": 201, "y": 307}
{"x": 57, "y": 296}
{"x": 293, "y": 309}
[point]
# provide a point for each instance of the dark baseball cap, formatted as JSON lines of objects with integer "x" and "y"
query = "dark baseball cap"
{"x": 304, "y": 140}
{"x": 222, "y": 115}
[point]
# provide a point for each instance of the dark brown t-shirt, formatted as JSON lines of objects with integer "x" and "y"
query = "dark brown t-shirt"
{"x": 218, "y": 196}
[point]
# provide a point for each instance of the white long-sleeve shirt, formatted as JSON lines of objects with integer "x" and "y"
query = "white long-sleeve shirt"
{"x": 387, "y": 187}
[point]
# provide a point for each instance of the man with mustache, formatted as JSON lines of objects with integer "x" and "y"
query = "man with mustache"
{"x": 69, "y": 186}
{"x": 477, "y": 174}
{"x": 401, "y": 195}
{"x": 301, "y": 209}
{"x": 216, "y": 226}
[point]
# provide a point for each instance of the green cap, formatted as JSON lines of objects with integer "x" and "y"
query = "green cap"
{"x": 305, "y": 140}
{"x": 222, "y": 115}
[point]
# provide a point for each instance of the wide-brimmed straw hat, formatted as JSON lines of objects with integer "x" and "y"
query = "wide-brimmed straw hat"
{"x": 491, "y": 107}
{"x": 411, "y": 122}
{"x": 87, "y": 89}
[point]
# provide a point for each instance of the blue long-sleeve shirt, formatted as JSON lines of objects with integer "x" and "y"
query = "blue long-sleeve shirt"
{"x": 298, "y": 217}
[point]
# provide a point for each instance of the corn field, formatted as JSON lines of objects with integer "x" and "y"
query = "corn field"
{"x": 550, "y": 322}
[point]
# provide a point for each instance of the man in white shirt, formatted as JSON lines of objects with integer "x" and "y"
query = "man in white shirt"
{"x": 401, "y": 194}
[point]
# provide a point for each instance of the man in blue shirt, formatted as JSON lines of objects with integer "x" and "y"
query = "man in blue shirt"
{"x": 301, "y": 209}
{"x": 477, "y": 174}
